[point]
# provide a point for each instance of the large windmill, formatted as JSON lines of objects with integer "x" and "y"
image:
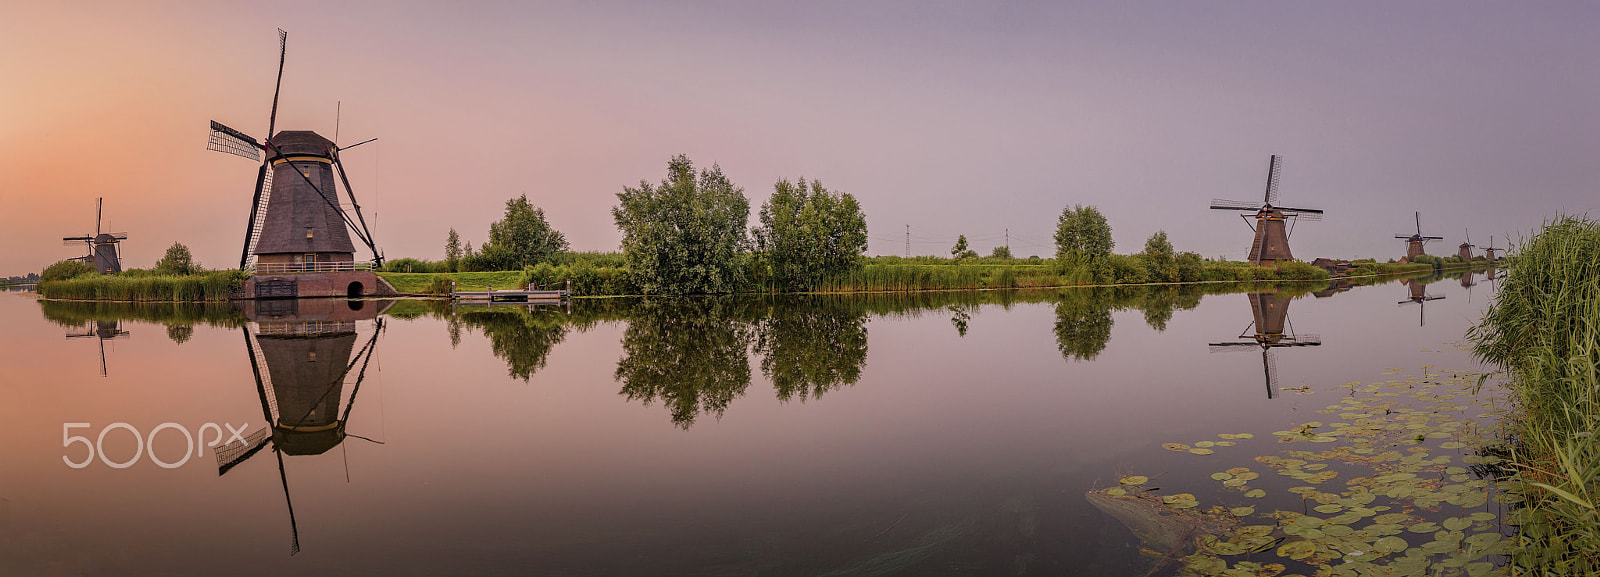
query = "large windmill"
{"x": 1418, "y": 295}
{"x": 1465, "y": 250}
{"x": 101, "y": 331}
{"x": 1414, "y": 242}
{"x": 296, "y": 220}
{"x": 302, "y": 361}
{"x": 1269, "y": 329}
{"x": 105, "y": 254}
{"x": 1271, "y": 242}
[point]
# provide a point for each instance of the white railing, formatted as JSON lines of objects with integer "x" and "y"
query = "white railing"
{"x": 321, "y": 266}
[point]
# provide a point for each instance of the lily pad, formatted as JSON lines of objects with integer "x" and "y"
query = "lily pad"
{"x": 1297, "y": 550}
{"x": 1134, "y": 480}
{"x": 1255, "y": 493}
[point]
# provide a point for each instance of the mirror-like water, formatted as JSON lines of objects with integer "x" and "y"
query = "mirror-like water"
{"x": 931, "y": 434}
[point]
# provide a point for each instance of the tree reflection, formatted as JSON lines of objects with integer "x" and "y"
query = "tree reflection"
{"x": 1159, "y": 303}
{"x": 812, "y": 346}
{"x": 521, "y": 337}
{"x": 691, "y": 354}
{"x": 1083, "y": 323}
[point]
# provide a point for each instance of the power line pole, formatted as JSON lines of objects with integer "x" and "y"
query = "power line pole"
{"x": 1008, "y": 239}
{"x": 908, "y": 241}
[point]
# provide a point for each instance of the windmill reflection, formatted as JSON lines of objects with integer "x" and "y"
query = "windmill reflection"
{"x": 1417, "y": 290}
{"x": 101, "y": 330}
{"x": 303, "y": 355}
{"x": 1269, "y": 329}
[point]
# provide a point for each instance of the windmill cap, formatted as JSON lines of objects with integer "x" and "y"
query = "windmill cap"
{"x": 105, "y": 238}
{"x": 300, "y": 143}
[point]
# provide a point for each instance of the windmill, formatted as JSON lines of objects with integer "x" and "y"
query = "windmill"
{"x": 302, "y": 362}
{"x": 1414, "y": 242}
{"x": 1465, "y": 248}
{"x": 102, "y": 331}
{"x": 1420, "y": 297}
{"x": 104, "y": 252}
{"x": 1488, "y": 251}
{"x": 296, "y": 220}
{"x": 1271, "y": 242}
{"x": 1270, "y": 312}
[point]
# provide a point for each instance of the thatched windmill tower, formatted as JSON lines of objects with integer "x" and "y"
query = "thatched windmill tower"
{"x": 1415, "y": 242}
{"x": 105, "y": 254}
{"x": 1465, "y": 250}
{"x": 1271, "y": 228}
{"x": 1271, "y": 330}
{"x": 297, "y": 220}
{"x": 303, "y": 356}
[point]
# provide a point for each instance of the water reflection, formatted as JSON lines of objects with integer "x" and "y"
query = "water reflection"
{"x": 1269, "y": 329}
{"x": 302, "y": 354}
{"x": 812, "y": 347}
{"x": 692, "y": 355}
{"x": 1417, "y": 294}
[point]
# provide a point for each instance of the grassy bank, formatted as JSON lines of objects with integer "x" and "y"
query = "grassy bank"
{"x": 883, "y": 274}
{"x": 1544, "y": 328}
{"x": 210, "y": 286}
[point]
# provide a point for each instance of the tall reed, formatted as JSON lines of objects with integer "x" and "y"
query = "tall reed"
{"x": 1544, "y": 327}
{"x": 211, "y": 286}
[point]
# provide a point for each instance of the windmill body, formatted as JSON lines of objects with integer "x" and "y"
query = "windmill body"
{"x": 104, "y": 249}
{"x": 1415, "y": 242}
{"x": 1465, "y": 250}
{"x": 301, "y": 227}
{"x": 1489, "y": 252}
{"x": 1271, "y": 243}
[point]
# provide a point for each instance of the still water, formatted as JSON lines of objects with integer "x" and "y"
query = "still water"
{"x": 934, "y": 434}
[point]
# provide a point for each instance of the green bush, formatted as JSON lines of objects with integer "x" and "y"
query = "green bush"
{"x": 65, "y": 270}
{"x": 212, "y": 286}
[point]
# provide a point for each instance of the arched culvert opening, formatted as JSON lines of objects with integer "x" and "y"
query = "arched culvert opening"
{"x": 355, "y": 290}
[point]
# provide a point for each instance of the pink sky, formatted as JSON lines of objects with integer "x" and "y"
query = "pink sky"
{"x": 953, "y": 118}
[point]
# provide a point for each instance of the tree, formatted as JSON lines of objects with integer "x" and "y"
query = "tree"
{"x": 960, "y": 248}
{"x": 1159, "y": 259}
{"x": 685, "y": 235}
{"x": 178, "y": 261}
{"x": 809, "y": 233}
{"x": 452, "y": 249}
{"x": 1083, "y": 238}
{"x": 1001, "y": 251}
{"x": 523, "y": 238}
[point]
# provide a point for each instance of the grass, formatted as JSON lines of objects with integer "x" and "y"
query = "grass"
{"x": 427, "y": 283}
{"x": 1544, "y": 328}
{"x": 210, "y": 286}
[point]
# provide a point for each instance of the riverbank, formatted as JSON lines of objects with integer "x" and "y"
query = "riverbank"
{"x": 1544, "y": 329}
{"x": 885, "y": 274}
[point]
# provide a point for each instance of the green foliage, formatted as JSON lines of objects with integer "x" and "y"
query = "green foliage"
{"x": 1430, "y": 260}
{"x": 1542, "y": 326}
{"x": 64, "y": 270}
{"x": 687, "y": 234}
{"x": 412, "y": 265}
{"x": 522, "y": 238}
{"x": 452, "y": 249}
{"x": 808, "y": 233}
{"x": 177, "y": 261}
{"x": 1001, "y": 252}
{"x": 1190, "y": 266}
{"x": 211, "y": 286}
{"x": 1083, "y": 239}
{"x": 960, "y": 249}
{"x": 1160, "y": 263}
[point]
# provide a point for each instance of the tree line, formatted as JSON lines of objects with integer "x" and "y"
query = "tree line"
{"x": 687, "y": 234}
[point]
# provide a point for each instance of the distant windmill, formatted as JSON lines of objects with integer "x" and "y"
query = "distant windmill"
{"x": 1270, "y": 313}
{"x": 105, "y": 254}
{"x": 301, "y": 364}
{"x": 1488, "y": 251}
{"x": 1271, "y": 242}
{"x": 1414, "y": 242}
{"x": 296, "y": 220}
{"x": 1466, "y": 247}
{"x": 102, "y": 331}
{"x": 1420, "y": 297}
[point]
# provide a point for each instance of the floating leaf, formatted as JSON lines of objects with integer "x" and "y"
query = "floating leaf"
{"x": 1390, "y": 545}
{"x": 1327, "y": 508}
{"x": 1456, "y": 523}
{"x": 1297, "y": 550}
{"x": 1116, "y": 491}
{"x": 1255, "y": 493}
{"x": 1221, "y": 476}
{"x": 1135, "y": 480}
{"x": 1175, "y": 446}
{"x": 1201, "y": 451}
{"x": 1204, "y": 444}
{"x": 1242, "y": 511}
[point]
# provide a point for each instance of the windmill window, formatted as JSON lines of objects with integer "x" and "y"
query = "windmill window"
{"x": 308, "y": 232}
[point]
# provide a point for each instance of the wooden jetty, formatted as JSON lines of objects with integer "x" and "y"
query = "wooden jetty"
{"x": 529, "y": 294}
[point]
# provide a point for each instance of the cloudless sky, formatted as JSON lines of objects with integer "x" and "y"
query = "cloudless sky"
{"x": 955, "y": 118}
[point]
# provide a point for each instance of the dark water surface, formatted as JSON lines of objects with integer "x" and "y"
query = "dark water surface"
{"x": 937, "y": 434}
